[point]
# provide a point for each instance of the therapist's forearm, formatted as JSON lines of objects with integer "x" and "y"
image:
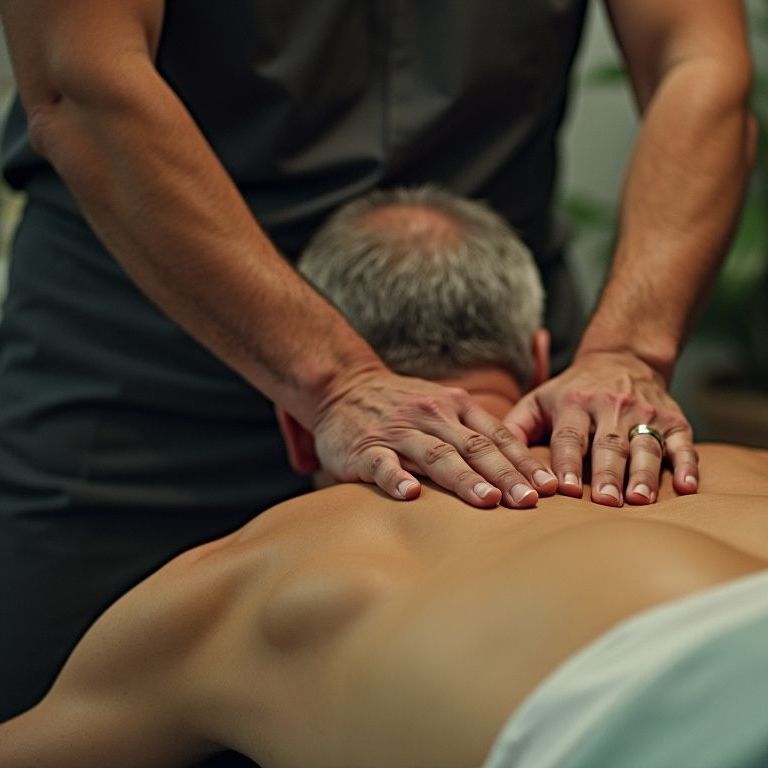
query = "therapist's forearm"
{"x": 681, "y": 199}
{"x": 159, "y": 199}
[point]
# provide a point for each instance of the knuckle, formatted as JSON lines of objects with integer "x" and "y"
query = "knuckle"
{"x": 438, "y": 452}
{"x": 458, "y": 393}
{"x": 687, "y": 454}
{"x": 646, "y": 413}
{"x": 621, "y": 400}
{"x": 650, "y": 445}
{"x": 672, "y": 418}
{"x": 570, "y": 437}
{"x": 645, "y": 476}
{"x": 465, "y": 478}
{"x": 577, "y": 398}
{"x": 527, "y": 465}
{"x": 614, "y": 443}
{"x": 392, "y": 434}
{"x": 374, "y": 463}
{"x": 676, "y": 426}
{"x": 608, "y": 475}
{"x": 503, "y": 438}
{"x": 567, "y": 462}
{"x": 478, "y": 445}
{"x": 425, "y": 407}
{"x": 506, "y": 478}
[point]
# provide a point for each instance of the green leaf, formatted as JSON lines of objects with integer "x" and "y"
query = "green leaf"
{"x": 606, "y": 74}
{"x": 589, "y": 214}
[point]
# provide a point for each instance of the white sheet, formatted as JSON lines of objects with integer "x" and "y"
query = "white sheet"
{"x": 576, "y": 699}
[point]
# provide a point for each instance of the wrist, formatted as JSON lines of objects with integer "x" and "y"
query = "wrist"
{"x": 325, "y": 381}
{"x": 659, "y": 353}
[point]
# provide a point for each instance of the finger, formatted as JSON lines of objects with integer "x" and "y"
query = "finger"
{"x": 568, "y": 446}
{"x": 684, "y": 459}
{"x": 439, "y": 459}
{"x": 481, "y": 453}
{"x": 610, "y": 451}
{"x": 645, "y": 457}
{"x": 382, "y": 466}
{"x": 533, "y": 470}
{"x": 526, "y": 421}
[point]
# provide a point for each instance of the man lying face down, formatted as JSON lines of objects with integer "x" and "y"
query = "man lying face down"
{"x": 344, "y": 628}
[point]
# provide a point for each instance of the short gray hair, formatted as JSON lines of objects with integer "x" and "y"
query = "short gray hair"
{"x": 431, "y": 306}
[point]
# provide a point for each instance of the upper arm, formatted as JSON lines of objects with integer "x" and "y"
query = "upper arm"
{"x": 115, "y": 702}
{"x": 657, "y": 35}
{"x": 125, "y": 689}
{"x": 92, "y": 729}
{"x": 71, "y": 47}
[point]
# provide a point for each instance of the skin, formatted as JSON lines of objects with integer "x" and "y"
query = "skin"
{"x": 690, "y": 69}
{"x": 159, "y": 199}
{"x": 375, "y": 631}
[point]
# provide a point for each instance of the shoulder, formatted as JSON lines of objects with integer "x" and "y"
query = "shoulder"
{"x": 138, "y": 648}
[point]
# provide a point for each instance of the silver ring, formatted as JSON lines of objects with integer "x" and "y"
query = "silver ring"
{"x": 647, "y": 429}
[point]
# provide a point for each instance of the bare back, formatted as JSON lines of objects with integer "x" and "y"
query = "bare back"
{"x": 346, "y": 628}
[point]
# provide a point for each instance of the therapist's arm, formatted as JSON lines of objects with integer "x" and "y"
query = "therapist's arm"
{"x": 159, "y": 199}
{"x": 690, "y": 69}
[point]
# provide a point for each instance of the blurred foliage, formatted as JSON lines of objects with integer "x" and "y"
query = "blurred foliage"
{"x": 737, "y": 311}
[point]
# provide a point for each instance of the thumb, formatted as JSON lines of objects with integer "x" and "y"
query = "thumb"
{"x": 526, "y": 420}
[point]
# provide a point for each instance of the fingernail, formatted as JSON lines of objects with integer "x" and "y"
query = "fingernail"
{"x": 692, "y": 481}
{"x": 641, "y": 489}
{"x": 612, "y": 491}
{"x": 404, "y": 486}
{"x": 542, "y": 477}
{"x": 520, "y": 491}
{"x": 571, "y": 478}
{"x": 482, "y": 489}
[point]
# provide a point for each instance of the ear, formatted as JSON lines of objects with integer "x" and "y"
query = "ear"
{"x": 540, "y": 342}
{"x": 299, "y": 443}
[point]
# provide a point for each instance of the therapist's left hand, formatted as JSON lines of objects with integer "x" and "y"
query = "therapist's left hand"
{"x": 597, "y": 402}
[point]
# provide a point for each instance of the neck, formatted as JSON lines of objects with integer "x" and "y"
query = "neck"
{"x": 493, "y": 388}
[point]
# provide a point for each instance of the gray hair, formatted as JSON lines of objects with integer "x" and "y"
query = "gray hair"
{"x": 430, "y": 304}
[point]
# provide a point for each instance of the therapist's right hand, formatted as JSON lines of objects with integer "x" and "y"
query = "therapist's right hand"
{"x": 379, "y": 427}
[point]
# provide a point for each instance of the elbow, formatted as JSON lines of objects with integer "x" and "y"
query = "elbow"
{"x": 41, "y": 124}
{"x": 49, "y": 91}
{"x": 734, "y": 95}
{"x": 76, "y": 93}
{"x": 54, "y": 104}
{"x": 83, "y": 119}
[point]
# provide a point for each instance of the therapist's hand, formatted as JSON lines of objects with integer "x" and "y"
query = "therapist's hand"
{"x": 597, "y": 401}
{"x": 385, "y": 429}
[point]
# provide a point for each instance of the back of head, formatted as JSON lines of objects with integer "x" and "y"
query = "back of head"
{"x": 435, "y": 283}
